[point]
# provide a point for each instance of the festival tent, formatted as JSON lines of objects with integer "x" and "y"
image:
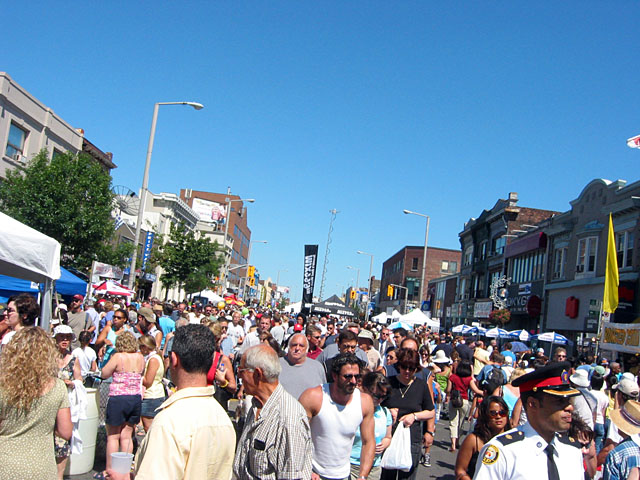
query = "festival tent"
{"x": 380, "y": 318}
{"x": 210, "y": 295}
{"x": 416, "y": 317}
{"x": 293, "y": 307}
{"x": 333, "y": 306}
{"x": 109, "y": 287}
{"x": 28, "y": 254}
{"x": 395, "y": 314}
{"x": 68, "y": 284}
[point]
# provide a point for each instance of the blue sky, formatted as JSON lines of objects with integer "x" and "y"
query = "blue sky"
{"x": 366, "y": 107}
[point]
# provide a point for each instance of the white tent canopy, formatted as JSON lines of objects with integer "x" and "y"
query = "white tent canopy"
{"x": 28, "y": 254}
{"x": 416, "y": 317}
{"x": 380, "y": 318}
{"x": 293, "y": 307}
{"x": 211, "y": 295}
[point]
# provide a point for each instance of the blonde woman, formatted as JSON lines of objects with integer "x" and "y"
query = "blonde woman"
{"x": 151, "y": 380}
{"x": 125, "y": 395}
{"x": 33, "y": 406}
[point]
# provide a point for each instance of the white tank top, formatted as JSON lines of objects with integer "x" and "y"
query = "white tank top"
{"x": 332, "y": 433}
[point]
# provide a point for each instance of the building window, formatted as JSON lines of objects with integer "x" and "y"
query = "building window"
{"x": 624, "y": 244}
{"x": 559, "y": 262}
{"x": 462, "y": 292}
{"x": 587, "y": 251}
{"x": 449, "y": 267}
{"x": 414, "y": 264}
{"x": 483, "y": 250}
{"x": 498, "y": 245}
{"x": 15, "y": 144}
{"x": 468, "y": 255}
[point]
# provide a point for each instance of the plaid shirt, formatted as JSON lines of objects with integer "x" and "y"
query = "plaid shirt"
{"x": 277, "y": 444}
{"x": 622, "y": 459}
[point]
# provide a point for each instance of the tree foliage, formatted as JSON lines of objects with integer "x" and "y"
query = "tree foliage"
{"x": 188, "y": 262}
{"x": 68, "y": 198}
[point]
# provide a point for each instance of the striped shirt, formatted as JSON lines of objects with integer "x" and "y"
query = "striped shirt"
{"x": 277, "y": 444}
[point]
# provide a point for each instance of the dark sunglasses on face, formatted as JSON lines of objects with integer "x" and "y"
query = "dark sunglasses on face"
{"x": 407, "y": 368}
{"x": 380, "y": 396}
{"x": 120, "y": 317}
{"x": 497, "y": 413}
{"x": 349, "y": 376}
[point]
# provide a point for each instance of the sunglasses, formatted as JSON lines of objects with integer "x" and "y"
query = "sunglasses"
{"x": 349, "y": 376}
{"x": 497, "y": 413}
{"x": 120, "y": 317}
{"x": 317, "y": 337}
{"x": 407, "y": 368}
{"x": 380, "y": 396}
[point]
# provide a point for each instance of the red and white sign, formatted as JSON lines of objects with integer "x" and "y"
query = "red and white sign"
{"x": 634, "y": 142}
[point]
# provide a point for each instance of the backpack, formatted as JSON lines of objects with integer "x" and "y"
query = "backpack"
{"x": 495, "y": 377}
{"x": 456, "y": 398}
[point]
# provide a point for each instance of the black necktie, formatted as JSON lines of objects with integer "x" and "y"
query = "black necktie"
{"x": 551, "y": 464}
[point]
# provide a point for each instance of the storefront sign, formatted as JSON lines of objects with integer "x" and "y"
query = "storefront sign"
{"x": 482, "y": 309}
{"x": 621, "y": 337}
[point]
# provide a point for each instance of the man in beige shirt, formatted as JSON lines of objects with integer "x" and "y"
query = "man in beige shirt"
{"x": 191, "y": 438}
{"x": 480, "y": 358}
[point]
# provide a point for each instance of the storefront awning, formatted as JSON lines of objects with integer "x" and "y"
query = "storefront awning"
{"x": 526, "y": 244}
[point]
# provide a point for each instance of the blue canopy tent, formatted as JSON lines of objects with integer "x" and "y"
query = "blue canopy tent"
{"x": 67, "y": 285}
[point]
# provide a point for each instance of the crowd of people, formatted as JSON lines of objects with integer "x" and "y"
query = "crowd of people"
{"x": 221, "y": 391}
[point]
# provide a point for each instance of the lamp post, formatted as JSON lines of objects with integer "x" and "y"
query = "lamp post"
{"x": 424, "y": 254}
{"x": 228, "y": 201}
{"x": 278, "y": 280}
{"x": 244, "y": 279}
{"x": 145, "y": 183}
{"x": 360, "y": 252}
{"x": 357, "y": 279}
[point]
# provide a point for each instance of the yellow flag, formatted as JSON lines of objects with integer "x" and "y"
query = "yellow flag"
{"x": 611, "y": 277}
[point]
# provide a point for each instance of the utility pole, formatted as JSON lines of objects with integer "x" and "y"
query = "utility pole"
{"x": 333, "y": 212}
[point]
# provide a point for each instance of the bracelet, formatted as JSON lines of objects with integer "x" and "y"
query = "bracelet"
{"x": 225, "y": 385}
{"x": 362, "y": 477}
{"x": 415, "y": 417}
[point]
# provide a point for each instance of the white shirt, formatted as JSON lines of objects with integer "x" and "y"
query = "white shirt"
{"x": 519, "y": 455}
{"x": 235, "y": 333}
{"x": 85, "y": 358}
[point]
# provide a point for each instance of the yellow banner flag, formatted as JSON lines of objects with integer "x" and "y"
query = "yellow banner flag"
{"x": 611, "y": 277}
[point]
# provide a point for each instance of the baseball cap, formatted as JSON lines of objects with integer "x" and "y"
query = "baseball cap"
{"x": 148, "y": 314}
{"x": 366, "y": 334}
{"x": 78, "y": 297}
{"x": 297, "y": 327}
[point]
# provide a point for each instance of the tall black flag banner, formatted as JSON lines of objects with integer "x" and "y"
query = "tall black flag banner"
{"x": 309, "y": 277}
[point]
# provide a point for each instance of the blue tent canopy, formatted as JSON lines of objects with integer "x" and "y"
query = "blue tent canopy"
{"x": 67, "y": 285}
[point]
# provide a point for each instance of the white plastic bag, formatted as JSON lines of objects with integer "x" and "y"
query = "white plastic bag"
{"x": 398, "y": 455}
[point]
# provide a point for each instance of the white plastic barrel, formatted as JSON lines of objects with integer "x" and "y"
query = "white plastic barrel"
{"x": 88, "y": 429}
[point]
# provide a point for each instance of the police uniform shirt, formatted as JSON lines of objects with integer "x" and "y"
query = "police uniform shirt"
{"x": 520, "y": 454}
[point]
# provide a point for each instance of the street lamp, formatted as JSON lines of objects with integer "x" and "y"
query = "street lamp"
{"x": 244, "y": 279}
{"x": 360, "y": 252}
{"x": 228, "y": 201}
{"x": 145, "y": 183}
{"x": 278, "y": 280}
{"x": 424, "y": 255}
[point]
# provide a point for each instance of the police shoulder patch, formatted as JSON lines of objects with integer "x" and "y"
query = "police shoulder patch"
{"x": 568, "y": 440}
{"x": 511, "y": 437}
{"x": 491, "y": 455}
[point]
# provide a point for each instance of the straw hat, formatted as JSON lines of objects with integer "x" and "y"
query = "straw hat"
{"x": 627, "y": 418}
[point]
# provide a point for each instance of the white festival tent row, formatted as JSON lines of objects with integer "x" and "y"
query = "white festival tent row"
{"x": 384, "y": 317}
{"x": 28, "y": 254}
{"x": 416, "y": 317}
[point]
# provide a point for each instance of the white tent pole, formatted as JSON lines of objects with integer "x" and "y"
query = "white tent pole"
{"x": 45, "y": 305}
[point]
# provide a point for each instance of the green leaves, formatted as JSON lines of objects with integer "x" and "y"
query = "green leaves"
{"x": 68, "y": 198}
{"x": 188, "y": 261}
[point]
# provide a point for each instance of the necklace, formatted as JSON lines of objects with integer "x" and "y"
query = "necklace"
{"x": 402, "y": 394}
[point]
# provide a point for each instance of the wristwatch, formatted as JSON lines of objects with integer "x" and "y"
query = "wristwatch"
{"x": 433, "y": 434}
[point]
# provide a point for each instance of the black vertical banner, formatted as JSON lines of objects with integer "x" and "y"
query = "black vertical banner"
{"x": 309, "y": 276}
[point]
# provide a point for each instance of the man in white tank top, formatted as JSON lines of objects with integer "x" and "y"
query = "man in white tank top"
{"x": 336, "y": 411}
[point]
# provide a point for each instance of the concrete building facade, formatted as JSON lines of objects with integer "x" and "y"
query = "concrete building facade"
{"x": 27, "y": 126}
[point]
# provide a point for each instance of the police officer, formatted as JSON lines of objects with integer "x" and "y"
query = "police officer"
{"x": 537, "y": 450}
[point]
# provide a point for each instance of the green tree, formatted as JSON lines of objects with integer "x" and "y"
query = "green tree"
{"x": 68, "y": 198}
{"x": 188, "y": 262}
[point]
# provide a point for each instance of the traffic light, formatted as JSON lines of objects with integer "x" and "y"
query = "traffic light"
{"x": 352, "y": 294}
{"x": 252, "y": 282}
{"x": 251, "y": 271}
{"x": 389, "y": 291}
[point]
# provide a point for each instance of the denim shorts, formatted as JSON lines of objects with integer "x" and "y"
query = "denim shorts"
{"x": 123, "y": 409}
{"x": 149, "y": 406}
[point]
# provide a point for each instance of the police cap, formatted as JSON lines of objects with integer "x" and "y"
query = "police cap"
{"x": 552, "y": 379}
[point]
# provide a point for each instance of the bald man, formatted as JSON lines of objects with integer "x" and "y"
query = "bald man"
{"x": 300, "y": 372}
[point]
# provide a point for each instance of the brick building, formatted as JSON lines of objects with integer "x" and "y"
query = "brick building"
{"x": 405, "y": 269}
{"x": 212, "y": 208}
{"x": 484, "y": 241}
